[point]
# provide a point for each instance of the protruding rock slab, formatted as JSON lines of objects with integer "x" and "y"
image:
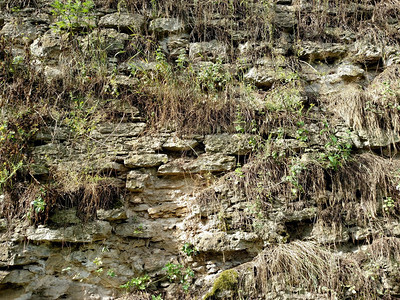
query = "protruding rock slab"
{"x": 122, "y": 21}
{"x": 178, "y": 144}
{"x": 203, "y": 164}
{"x": 87, "y": 233}
{"x": 239, "y": 144}
{"x": 118, "y": 130}
{"x": 221, "y": 241}
{"x": 208, "y": 51}
{"x": 145, "y": 160}
{"x": 167, "y": 25}
{"x": 167, "y": 210}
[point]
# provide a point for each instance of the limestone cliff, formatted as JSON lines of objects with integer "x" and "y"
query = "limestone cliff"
{"x": 200, "y": 149}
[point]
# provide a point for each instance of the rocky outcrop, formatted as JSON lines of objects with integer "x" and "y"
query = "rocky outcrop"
{"x": 214, "y": 150}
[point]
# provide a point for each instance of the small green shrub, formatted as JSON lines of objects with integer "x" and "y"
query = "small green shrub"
{"x": 72, "y": 14}
{"x": 177, "y": 273}
{"x": 337, "y": 152}
{"x": 139, "y": 283}
{"x": 213, "y": 77}
{"x": 189, "y": 249}
{"x": 39, "y": 204}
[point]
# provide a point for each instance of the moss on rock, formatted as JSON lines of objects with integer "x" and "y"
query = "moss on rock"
{"x": 224, "y": 286}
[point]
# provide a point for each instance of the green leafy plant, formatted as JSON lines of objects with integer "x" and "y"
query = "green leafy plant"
{"x": 139, "y": 283}
{"x": 111, "y": 273}
{"x": 239, "y": 122}
{"x": 7, "y": 172}
{"x": 295, "y": 169}
{"x": 39, "y": 204}
{"x": 177, "y": 273}
{"x": 301, "y": 133}
{"x": 72, "y": 14}
{"x": 388, "y": 204}
{"x": 337, "y": 152}
{"x": 189, "y": 249}
{"x": 213, "y": 77}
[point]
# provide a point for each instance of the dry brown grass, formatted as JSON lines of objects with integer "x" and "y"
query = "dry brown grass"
{"x": 375, "y": 111}
{"x": 299, "y": 267}
{"x": 354, "y": 194}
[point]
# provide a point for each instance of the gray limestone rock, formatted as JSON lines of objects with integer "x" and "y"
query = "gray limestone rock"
{"x": 175, "y": 44}
{"x": 109, "y": 130}
{"x": 167, "y": 26}
{"x": 238, "y": 144}
{"x": 47, "y": 47}
{"x": 348, "y": 71}
{"x": 203, "y": 164}
{"x": 22, "y": 32}
{"x": 112, "y": 214}
{"x": 222, "y": 241}
{"x": 177, "y": 144}
{"x": 167, "y": 210}
{"x": 285, "y": 16}
{"x": 123, "y": 21}
{"x": 136, "y": 181}
{"x": 145, "y": 160}
{"x": 208, "y": 51}
{"x": 321, "y": 51}
{"x": 107, "y": 39}
{"x": 87, "y": 233}
{"x": 53, "y": 73}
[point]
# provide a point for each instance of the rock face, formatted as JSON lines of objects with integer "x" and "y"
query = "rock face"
{"x": 283, "y": 182}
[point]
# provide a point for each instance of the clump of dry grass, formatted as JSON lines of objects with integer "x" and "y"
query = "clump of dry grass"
{"x": 360, "y": 192}
{"x": 299, "y": 267}
{"x": 317, "y": 16}
{"x": 375, "y": 111}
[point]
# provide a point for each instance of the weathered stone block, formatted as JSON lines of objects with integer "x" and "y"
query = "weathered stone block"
{"x": 167, "y": 25}
{"x": 87, "y": 233}
{"x": 118, "y": 130}
{"x": 285, "y": 16}
{"x": 112, "y": 214}
{"x": 126, "y": 22}
{"x": 203, "y": 164}
{"x": 21, "y": 32}
{"x": 136, "y": 182}
{"x": 221, "y": 241}
{"x": 208, "y": 51}
{"x": 239, "y": 144}
{"x": 48, "y": 47}
{"x": 178, "y": 144}
{"x": 167, "y": 210}
{"x": 145, "y": 160}
{"x": 321, "y": 51}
